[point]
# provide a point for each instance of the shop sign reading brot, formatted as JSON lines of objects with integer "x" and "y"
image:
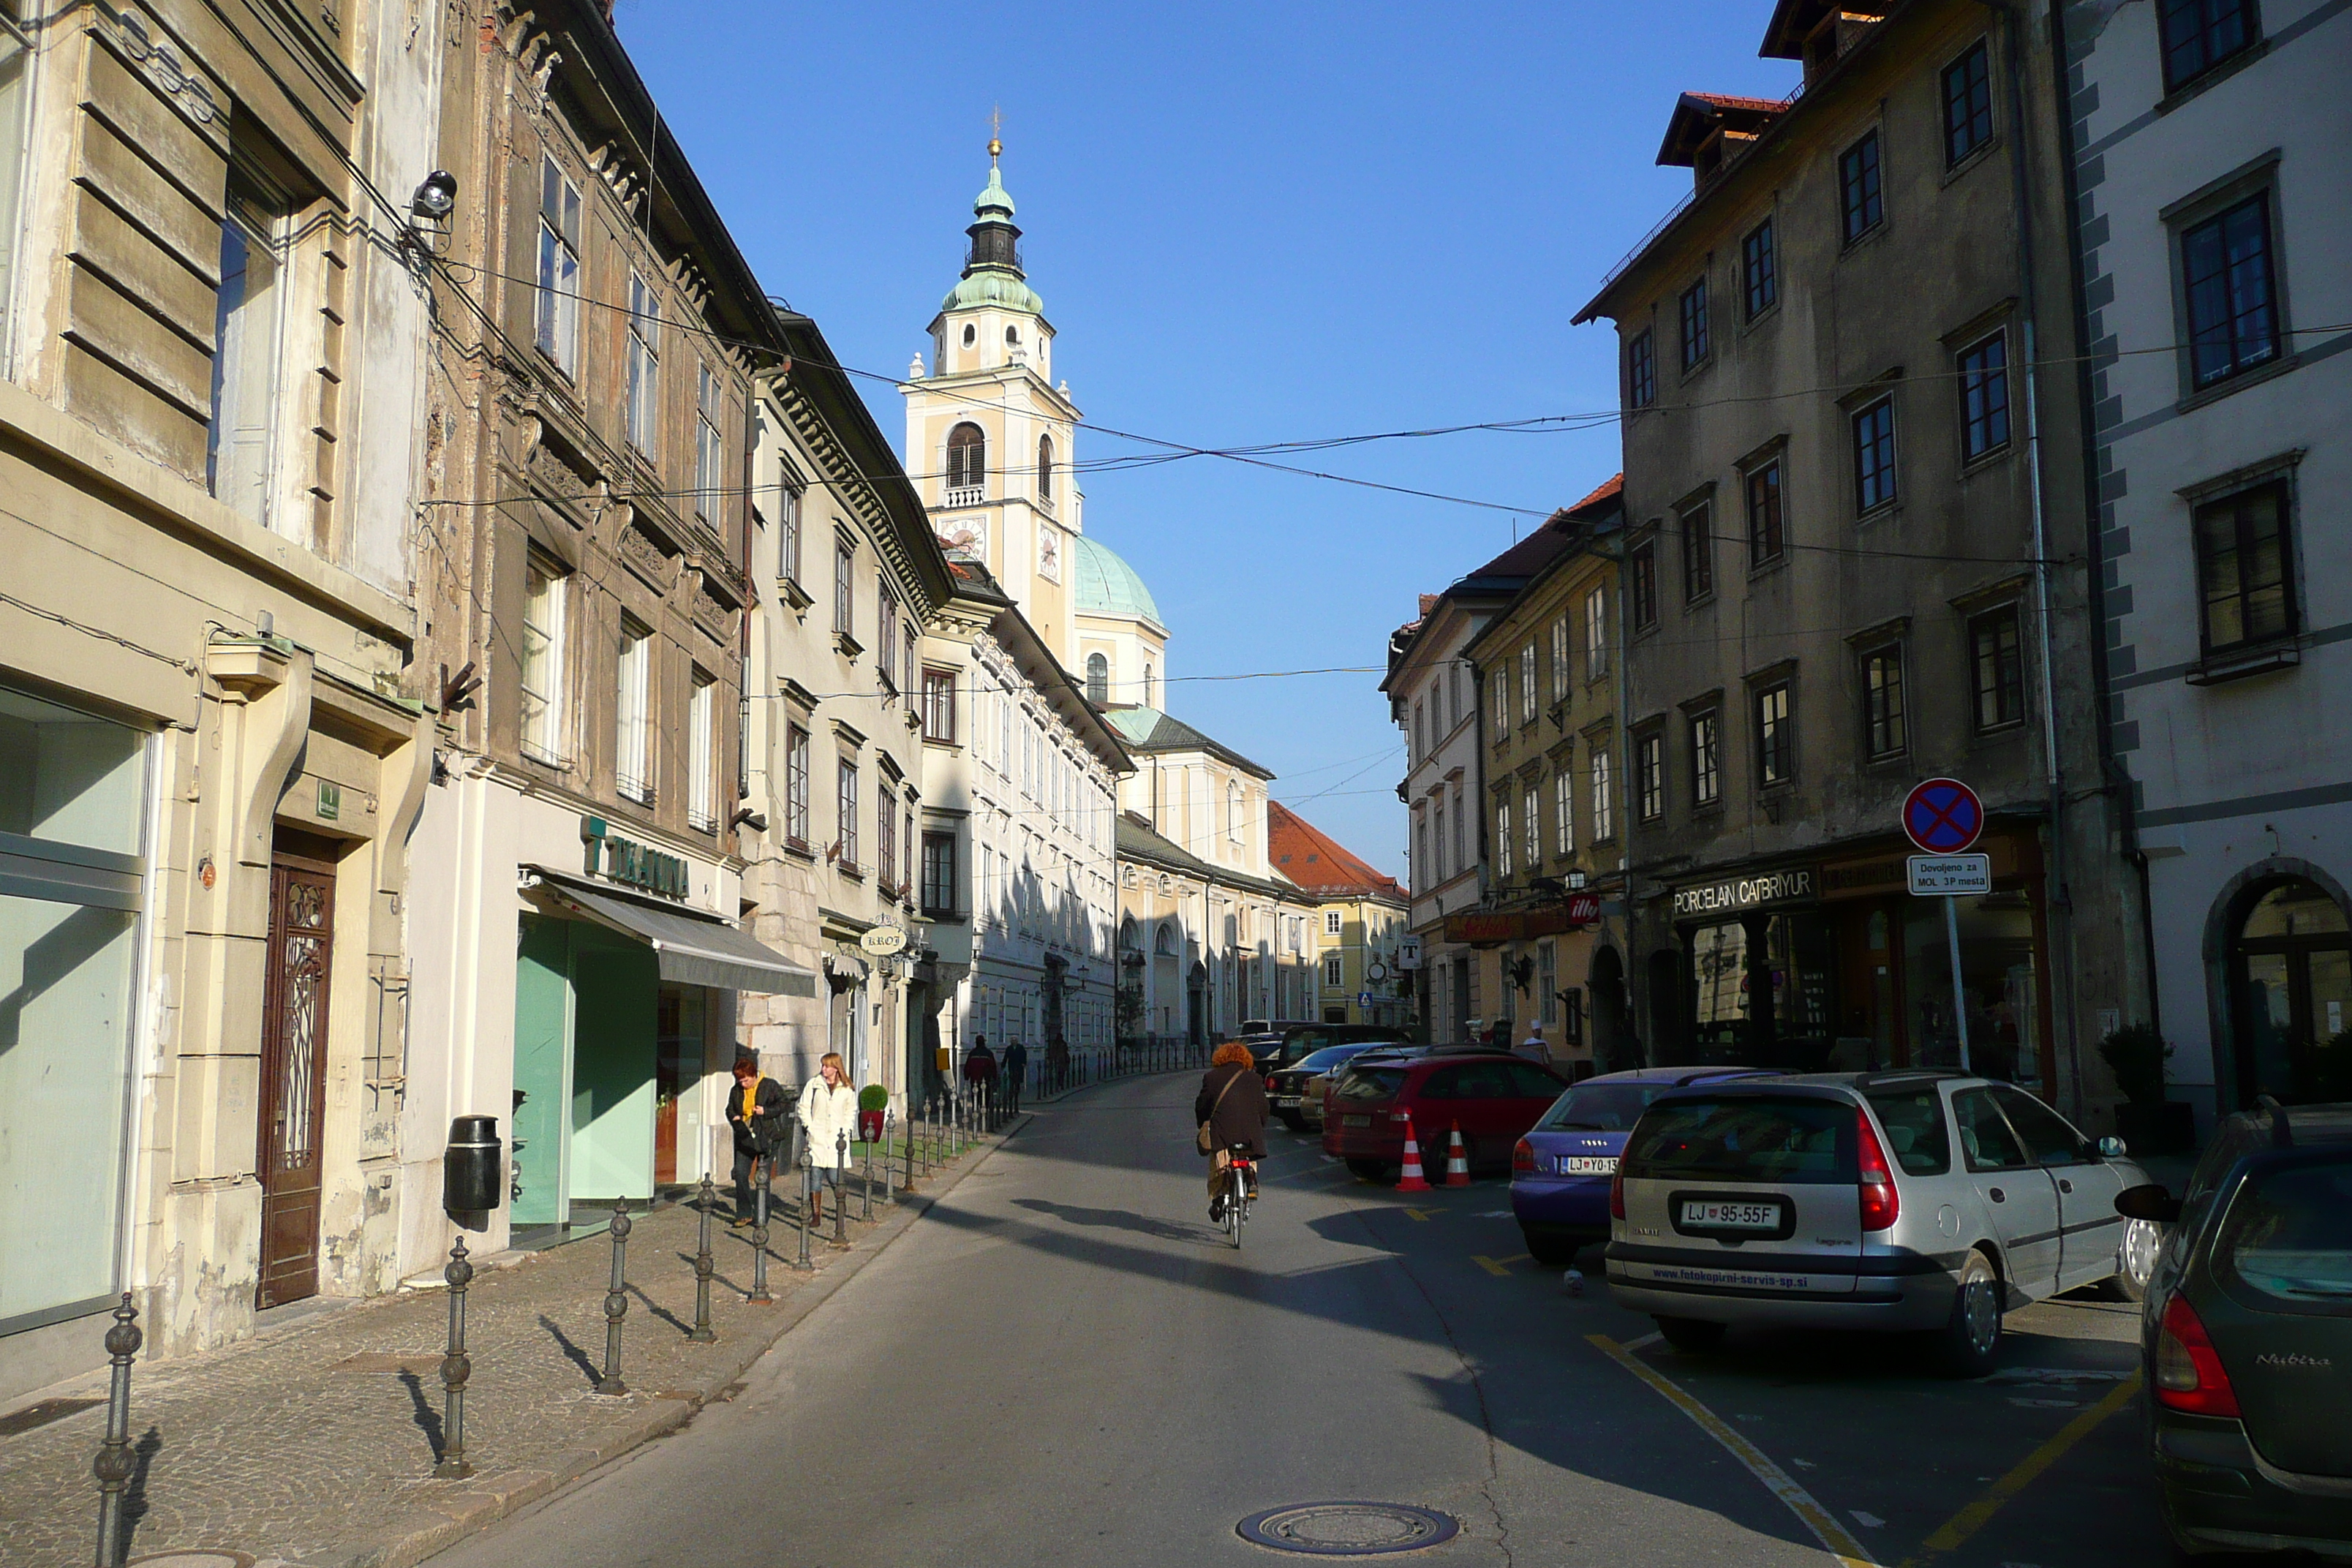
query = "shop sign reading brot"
{"x": 1744, "y": 893}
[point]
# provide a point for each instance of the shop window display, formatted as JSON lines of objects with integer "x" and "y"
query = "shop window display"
{"x": 1997, "y": 980}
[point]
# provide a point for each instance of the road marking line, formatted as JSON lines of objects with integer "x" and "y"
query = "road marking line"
{"x": 1954, "y": 1532}
{"x": 1422, "y": 1215}
{"x": 1645, "y": 1341}
{"x": 1500, "y": 1267}
{"x": 1497, "y": 1213}
{"x": 1834, "y": 1537}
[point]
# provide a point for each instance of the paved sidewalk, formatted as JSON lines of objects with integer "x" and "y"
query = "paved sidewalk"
{"x": 314, "y": 1444}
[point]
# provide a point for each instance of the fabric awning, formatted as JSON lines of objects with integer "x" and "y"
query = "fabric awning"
{"x": 689, "y": 948}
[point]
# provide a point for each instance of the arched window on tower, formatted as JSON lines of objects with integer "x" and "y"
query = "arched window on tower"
{"x": 1147, "y": 687}
{"x": 1234, "y": 811}
{"x": 967, "y": 464}
{"x": 1045, "y": 468}
{"x": 1097, "y": 680}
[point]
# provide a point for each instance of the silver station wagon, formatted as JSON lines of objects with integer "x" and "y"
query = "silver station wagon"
{"x": 1905, "y": 1201}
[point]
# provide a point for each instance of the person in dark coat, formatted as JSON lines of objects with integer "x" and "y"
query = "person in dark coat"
{"x": 1016, "y": 1074}
{"x": 1233, "y": 1103}
{"x": 756, "y": 1112}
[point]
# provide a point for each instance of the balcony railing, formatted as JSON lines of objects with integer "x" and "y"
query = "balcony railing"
{"x": 965, "y": 495}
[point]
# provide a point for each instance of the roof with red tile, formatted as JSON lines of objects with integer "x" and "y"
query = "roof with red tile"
{"x": 1314, "y": 860}
{"x": 1607, "y": 489}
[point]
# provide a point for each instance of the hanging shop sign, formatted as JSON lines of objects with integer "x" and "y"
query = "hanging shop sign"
{"x": 1737, "y": 893}
{"x": 633, "y": 864}
{"x": 1407, "y": 953}
{"x": 883, "y": 941}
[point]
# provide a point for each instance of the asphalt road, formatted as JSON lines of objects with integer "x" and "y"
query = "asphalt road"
{"x": 1063, "y": 1362}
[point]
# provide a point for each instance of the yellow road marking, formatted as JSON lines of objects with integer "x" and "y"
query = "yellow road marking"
{"x": 1955, "y": 1531}
{"x": 1839, "y": 1541}
{"x": 1500, "y": 1267}
{"x": 1422, "y": 1215}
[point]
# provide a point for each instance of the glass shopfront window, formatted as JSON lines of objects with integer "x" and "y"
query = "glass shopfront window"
{"x": 1998, "y": 979}
{"x": 72, "y": 801}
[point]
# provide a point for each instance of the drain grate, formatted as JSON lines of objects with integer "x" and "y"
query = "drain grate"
{"x": 1347, "y": 1529}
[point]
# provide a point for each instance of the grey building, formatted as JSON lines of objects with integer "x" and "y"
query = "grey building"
{"x": 1854, "y": 562}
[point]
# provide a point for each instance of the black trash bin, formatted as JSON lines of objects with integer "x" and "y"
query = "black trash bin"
{"x": 473, "y": 1175}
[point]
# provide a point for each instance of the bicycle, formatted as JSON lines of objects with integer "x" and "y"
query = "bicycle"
{"x": 1239, "y": 1170}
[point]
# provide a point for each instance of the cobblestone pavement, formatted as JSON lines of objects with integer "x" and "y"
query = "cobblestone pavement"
{"x": 314, "y": 1444}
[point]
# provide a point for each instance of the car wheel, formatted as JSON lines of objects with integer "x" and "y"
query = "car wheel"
{"x": 1368, "y": 1169}
{"x": 2135, "y": 1260}
{"x": 1970, "y": 1338}
{"x": 1692, "y": 1336}
{"x": 1550, "y": 1250}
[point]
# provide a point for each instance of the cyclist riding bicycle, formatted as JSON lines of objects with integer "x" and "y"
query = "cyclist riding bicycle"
{"x": 1233, "y": 1103}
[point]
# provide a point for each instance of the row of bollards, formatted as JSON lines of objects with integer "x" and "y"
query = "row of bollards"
{"x": 930, "y": 1138}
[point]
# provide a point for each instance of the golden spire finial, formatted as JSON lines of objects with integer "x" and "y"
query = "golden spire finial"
{"x": 995, "y": 134}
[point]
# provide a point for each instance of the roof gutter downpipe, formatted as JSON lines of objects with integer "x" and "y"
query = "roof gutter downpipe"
{"x": 2061, "y": 899}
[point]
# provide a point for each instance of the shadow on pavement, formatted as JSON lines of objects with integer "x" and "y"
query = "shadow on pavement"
{"x": 1124, "y": 1219}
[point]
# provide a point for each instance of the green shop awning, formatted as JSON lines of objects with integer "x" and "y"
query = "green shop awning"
{"x": 689, "y": 949}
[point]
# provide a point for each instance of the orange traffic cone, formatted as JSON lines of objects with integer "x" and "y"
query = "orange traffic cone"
{"x": 1412, "y": 1181}
{"x": 1457, "y": 1164}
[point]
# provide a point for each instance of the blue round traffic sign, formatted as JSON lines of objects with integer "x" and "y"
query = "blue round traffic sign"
{"x": 1943, "y": 817}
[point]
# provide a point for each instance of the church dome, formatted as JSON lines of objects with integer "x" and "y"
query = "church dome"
{"x": 1006, "y": 291}
{"x": 1106, "y": 585}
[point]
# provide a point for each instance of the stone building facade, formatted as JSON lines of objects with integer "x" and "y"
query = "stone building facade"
{"x": 210, "y": 754}
{"x": 1843, "y": 442}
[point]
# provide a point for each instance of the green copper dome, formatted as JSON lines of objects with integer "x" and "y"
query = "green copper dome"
{"x": 991, "y": 271}
{"x": 993, "y": 201}
{"x": 1004, "y": 290}
{"x": 1106, "y": 585}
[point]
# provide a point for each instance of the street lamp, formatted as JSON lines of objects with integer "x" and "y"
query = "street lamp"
{"x": 1576, "y": 881}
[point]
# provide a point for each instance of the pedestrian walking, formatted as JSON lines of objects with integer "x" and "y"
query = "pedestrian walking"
{"x": 828, "y": 1110}
{"x": 756, "y": 1111}
{"x": 980, "y": 1071}
{"x": 1016, "y": 1074}
{"x": 1534, "y": 1048}
{"x": 1057, "y": 1065}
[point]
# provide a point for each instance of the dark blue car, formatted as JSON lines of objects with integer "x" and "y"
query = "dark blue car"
{"x": 1560, "y": 1171}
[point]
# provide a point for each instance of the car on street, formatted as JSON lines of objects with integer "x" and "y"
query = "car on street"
{"x": 1560, "y": 1171}
{"x": 1300, "y": 1040}
{"x": 1491, "y": 1097}
{"x": 1263, "y": 1044}
{"x": 2246, "y": 1337}
{"x": 1287, "y": 1085}
{"x": 1920, "y": 1201}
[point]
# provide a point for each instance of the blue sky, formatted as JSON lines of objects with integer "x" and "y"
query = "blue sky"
{"x": 1249, "y": 224}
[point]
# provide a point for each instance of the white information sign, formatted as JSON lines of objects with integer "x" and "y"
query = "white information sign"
{"x": 1408, "y": 954}
{"x": 1950, "y": 876}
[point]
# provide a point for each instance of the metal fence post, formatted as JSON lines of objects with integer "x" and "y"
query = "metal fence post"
{"x": 841, "y": 1189}
{"x": 866, "y": 1185}
{"x": 808, "y": 1179}
{"x": 113, "y": 1464}
{"x": 889, "y": 1119}
{"x": 616, "y": 1303}
{"x": 700, "y": 1334}
{"x": 457, "y": 1367}
{"x": 761, "y": 1295}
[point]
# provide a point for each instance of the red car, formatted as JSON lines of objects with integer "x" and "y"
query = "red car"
{"x": 1493, "y": 1099}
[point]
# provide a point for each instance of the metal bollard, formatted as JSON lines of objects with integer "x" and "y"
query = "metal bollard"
{"x": 113, "y": 1464}
{"x": 808, "y": 1183}
{"x": 841, "y": 1189}
{"x": 889, "y": 1120}
{"x": 616, "y": 1303}
{"x": 701, "y": 1333}
{"x": 760, "y": 1295}
{"x": 866, "y": 1186}
{"x": 457, "y": 1367}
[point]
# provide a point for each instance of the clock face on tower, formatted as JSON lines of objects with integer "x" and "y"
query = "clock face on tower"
{"x": 1049, "y": 553}
{"x": 965, "y": 538}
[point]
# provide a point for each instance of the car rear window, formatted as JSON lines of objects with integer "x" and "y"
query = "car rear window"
{"x": 1327, "y": 1058}
{"x": 1744, "y": 1139}
{"x": 1600, "y": 1107}
{"x": 1371, "y": 1083}
{"x": 1916, "y": 1132}
{"x": 2288, "y": 1236}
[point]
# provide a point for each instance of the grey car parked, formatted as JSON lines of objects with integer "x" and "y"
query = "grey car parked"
{"x": 1917, "y": 1201}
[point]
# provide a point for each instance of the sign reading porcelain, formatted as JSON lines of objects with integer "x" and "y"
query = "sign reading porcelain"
{"x": 1744, "y": 893}
{"x": 629, "y": 863}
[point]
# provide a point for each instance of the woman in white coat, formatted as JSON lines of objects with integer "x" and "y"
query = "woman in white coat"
{"x": 827, "y": 1111}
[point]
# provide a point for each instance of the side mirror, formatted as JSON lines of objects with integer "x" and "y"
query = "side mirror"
{"x": 2148, "y": 1202}
{"x": 2112, "y": 1148}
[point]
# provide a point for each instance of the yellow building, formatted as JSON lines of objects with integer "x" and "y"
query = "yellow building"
{"x": 1358, "y": 922}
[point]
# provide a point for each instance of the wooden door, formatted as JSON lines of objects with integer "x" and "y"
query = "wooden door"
{"x": 294, "y": 1077}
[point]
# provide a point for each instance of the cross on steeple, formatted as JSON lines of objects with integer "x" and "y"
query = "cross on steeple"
{"x": 995, "y": 133}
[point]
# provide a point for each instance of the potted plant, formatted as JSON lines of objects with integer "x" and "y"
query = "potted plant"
{"x": 872, "y": 1101}
{"x": 2148, "y": 1122}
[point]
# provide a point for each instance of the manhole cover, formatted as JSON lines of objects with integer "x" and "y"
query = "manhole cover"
{"x": 1347, "y": 1529}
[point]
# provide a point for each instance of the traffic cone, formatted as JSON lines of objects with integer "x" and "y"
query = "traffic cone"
{"x": 1457, "y": 1164}
{"x": 1412, "y": 1180}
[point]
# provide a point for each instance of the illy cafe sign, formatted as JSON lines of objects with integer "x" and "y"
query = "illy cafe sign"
{"x": 1739, "y": 893}
{"x": 629, "y": 863}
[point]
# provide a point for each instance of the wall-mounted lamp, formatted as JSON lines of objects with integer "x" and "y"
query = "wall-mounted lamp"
{"x": 1575, "y": 881}
{"x": 437, "y": 198}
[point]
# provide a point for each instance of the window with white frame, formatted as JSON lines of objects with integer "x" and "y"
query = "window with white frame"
{"x": 1560, "y": 644}
{"x": 641, "y": 389}
{"x": 632, "y": 716}
{"x": 1532, "y": 805}
{"x": 1528, "y": 684}
{"x": 541, "y": 706}
{"x": 845, "y": 813}
{"x": 796, "y": 786}
{"x": 1604, "y": 813}
{"x": 788, "y": 543}
{"x": 702, "y": 741}
{"x": 886, "y": 837}
{"x": 1503, "y": 837}
{"x": 710, "y": 450}
{"x": 1596, "y": 633}
{"x": 1499, "y": 678}
{"x": 1563, "y": 805}
{"x": 1335, "y": 971}
{"x": 248, "y": 326}
{"x": 1331, "y": 922}
{"x": 844, "y": 588}
{"x": 555, "y": 313}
